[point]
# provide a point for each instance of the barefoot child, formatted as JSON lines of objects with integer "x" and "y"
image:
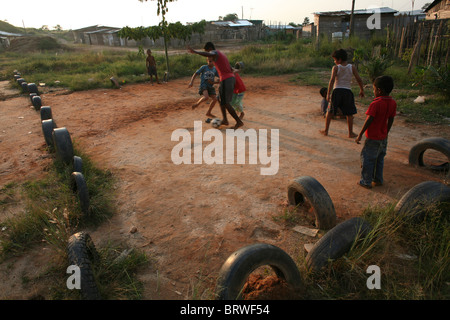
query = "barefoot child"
{"x": 227, "y": 81}
{"x": 342, "y": 95}
{"x": 150, "y": 63}
{"x": 207, "y": 74}
{"x": 380, "y": 117}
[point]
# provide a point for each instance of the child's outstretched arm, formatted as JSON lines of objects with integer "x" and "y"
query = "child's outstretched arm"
{"x": 367, "y": 123}
{"x": 192, "y": 79}
{"x": 359, "y": 80}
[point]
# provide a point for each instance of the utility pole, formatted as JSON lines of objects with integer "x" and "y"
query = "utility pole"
{"x": 351, "y": 19}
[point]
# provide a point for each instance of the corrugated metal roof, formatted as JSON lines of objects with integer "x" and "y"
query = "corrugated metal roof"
{"x": 9, "y": 34}
{"x": 359, "y": 11}
{"x": 237, "y": 23}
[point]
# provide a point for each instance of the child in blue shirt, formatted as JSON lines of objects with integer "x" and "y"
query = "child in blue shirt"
{"x": 207, "y": 74}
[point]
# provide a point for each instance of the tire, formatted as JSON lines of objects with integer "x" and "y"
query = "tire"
{"x": 309, "y": 188}
{"x": 82, "y": 253}
{"x": 419, "y": 198}
{"x": 32, "y": 88}
{"x": 63, "y": 144}
{"x": 24, "y": 86}
{"x": 439, "y": 144}
{"x": 31, "y": 97}
{"x": 243, "y": 262}
{"x": 46, "y": 113}
{"x": 37, "y": 102}
{"x": 47, "y": 129}
{"x": 79, "y": 186}
{"x": 336, "y": 242}
{"x": 20, "y": 80}
{"x": 77, "y": 164}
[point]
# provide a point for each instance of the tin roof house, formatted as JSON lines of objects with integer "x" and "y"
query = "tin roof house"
{"x": 366, "y": 22}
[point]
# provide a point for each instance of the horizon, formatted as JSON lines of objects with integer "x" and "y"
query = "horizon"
{"x": 133, "y": 13}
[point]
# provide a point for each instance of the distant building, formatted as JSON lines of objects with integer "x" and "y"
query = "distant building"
{"x": 337, "y": 23}
{"x": 6, "y": 37}
{"x": 438, "y": 9}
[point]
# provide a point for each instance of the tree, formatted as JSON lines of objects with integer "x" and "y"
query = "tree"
{"x": 165, "y": 30}
{"x": 231, "y": 17}
{"x": 306, "y": 21}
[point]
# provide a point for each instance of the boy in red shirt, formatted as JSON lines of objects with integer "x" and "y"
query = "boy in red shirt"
{"x": 238, "y": 93}
{"x": 380, "y": 117}
{"x": 227, "y": 81}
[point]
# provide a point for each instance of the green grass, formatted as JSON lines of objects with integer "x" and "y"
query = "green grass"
{"x": 51, "y": 214}
{"x": 307, "y": 63}
{"x": 424, "y": 273}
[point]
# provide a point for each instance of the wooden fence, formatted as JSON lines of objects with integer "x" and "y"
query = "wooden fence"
{"x": 426, "y": 41}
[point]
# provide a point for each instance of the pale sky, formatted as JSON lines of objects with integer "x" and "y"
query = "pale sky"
{"x": 77, "y": 14}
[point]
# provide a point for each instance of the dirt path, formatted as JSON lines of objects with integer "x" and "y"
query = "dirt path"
{"x": 190, "y": 218}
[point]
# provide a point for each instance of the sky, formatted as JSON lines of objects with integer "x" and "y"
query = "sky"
{"x": 134, "y": 13}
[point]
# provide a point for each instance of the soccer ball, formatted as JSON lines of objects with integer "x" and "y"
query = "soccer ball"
{"x": 216, "y": 122}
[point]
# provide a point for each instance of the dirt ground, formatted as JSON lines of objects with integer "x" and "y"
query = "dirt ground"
{"x": 191, "y": 217}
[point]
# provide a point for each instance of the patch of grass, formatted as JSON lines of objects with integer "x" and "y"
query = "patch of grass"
{"x": 51, "y": 202}
{"x": 413, "y": 258}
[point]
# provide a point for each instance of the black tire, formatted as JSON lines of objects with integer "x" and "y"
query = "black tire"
{"x": 82, "y": 253}
{"x": 336, "y": 242}
{"x": 46, "y": 113}
{"x": 439, "y": 144}
{"x": 24, "y": 86}
{"x": 309, "y": 188}
{"x": 419, "y": 198}
{"x": 37, "y": 102}
{"x": 31, "y": 96}
{"x": 47, "y": 130}
{"x": 19, "y": 81}
{"x": 63, "y": 144}
{"x": 32, "y": 88}
{"x": 243, "y": 262}
{"x": 79, "y": 186}
{"x": 77, "y": 164}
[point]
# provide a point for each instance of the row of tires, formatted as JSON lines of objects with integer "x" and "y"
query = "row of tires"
{"x": 59, "y": 141}
{"x": 81, "y": 250}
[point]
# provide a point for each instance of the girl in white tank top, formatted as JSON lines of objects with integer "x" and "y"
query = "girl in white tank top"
{"x": 344, "y": 77}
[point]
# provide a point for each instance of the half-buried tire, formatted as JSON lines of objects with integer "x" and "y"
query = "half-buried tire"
{"x": 46, "y": 113}
{"x": 307, "y": 188}
{"x": 423, "y": 196}
{"x": 63, "y": 144}
{"x": 47, "y": 130}
{"x": 336, "y": 242}
{"x": 243, "y": 262}
{"x": 81, "y": 252}
{"x": 80, "y": 188}
{"x": 416, "y": 154}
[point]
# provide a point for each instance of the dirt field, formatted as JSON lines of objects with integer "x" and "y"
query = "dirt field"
{"x": 190, "y": 218}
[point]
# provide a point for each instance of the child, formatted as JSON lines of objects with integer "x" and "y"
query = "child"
{"x": 342, "y": 96}
{"x": 380, "y": 117}
{"x": 150, "y": 63}
{"x": 227, "y": 81}
{"x": 238, "y": 93}
{"x": 324, "y": 103}
{"x": 207, "y": 74}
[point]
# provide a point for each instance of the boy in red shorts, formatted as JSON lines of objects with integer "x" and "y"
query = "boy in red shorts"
{"x": 380, "y": 117}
